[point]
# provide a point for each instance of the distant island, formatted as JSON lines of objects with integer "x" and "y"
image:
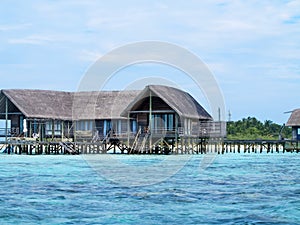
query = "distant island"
{"x": 251, "y": 129}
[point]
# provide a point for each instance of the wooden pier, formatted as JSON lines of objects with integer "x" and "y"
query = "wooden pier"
{"x": 181, "y": 146}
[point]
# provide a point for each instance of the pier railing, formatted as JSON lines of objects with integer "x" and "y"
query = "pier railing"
{"x": 183, "y": 146}
{"x": 207, "y": 129}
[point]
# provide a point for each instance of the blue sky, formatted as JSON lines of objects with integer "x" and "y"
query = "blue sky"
{"x": 251, "y": 47}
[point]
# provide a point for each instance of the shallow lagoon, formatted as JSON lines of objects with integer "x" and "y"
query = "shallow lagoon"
{"x": 233, "y": 189}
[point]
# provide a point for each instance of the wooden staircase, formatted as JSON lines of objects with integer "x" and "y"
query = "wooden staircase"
{"x": 69, "y": 148}
{"x": 140, "y": 143}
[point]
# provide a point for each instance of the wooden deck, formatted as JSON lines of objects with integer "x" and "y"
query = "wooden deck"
{"x": 160, "y": 146}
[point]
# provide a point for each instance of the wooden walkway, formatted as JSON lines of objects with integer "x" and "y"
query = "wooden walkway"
{"x": 183, "y": 146}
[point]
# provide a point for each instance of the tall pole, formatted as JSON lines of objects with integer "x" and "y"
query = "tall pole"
{"x": 68, "y": 130}
{"x": 40, "y": 130}
{"x": 128, "y": 129}
{"x": 150, "y": 120}
{"x": 176, "y": 132}
{"x": 74, "y": 130}
{"x": 6, "y": 119}
{"x": 53, "y": 130}
{"x": 62, "y": 130}
{"x": 30, "y": 128}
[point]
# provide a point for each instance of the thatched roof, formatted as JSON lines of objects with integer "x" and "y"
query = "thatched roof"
{"x": 181, "y": 102}
{"x": 70, "y": 106}
{"x": 41, "y": 103}
{"x": 294, "y": 119}
{"x": 101, "y": 105}
{"x": 61, "y": 105}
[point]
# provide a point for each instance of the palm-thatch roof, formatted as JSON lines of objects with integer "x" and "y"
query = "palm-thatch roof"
{"x": 41, "y": 103}
{"x": 181, "y": 102}
{"x": 294, "y": 119}
{"x": 59, "y": 105}
{"x": 101, "y": 105}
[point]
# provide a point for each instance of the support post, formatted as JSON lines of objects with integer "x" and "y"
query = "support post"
{"x": 68, "y": 129}
{"x": 128, "y": 130}
{"x": 176, "y": 132}
{"x": 30, "y": 128}
{"x": 52, "y": 129}
{"x": 6, "y": 120}
{"x": 150, "y": 120}
{"x": 74, "y": 130}
{"x": 40, "y": 131}
{"x": 62, "y": 130}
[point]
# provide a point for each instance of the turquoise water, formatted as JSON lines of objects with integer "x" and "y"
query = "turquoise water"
{"x": 234, "y": 189}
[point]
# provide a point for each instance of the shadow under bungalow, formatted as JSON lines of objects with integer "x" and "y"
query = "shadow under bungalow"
{"x": 155, "y": 112}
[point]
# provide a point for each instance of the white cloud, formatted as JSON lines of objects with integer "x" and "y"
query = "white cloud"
{"x": 10, "y": 27}
{"x": 32, "y": 39}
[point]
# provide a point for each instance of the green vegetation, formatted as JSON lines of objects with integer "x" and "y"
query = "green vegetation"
{"x": 250, "y": 129}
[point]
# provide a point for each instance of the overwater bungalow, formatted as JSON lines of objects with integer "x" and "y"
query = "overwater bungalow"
{"x": 94, "y": 116}
{"x": 294, "y": 122}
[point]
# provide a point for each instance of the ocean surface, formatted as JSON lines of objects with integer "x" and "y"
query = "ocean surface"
{"x": 232, "y": 189}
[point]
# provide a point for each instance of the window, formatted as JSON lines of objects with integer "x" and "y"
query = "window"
{"x": 133, "y": 126}
{"x": 123, "y": 126}
{"x": 106, "y": 126}
{"x": 171, "y": 122}
{"x": 84, "y": 125}
{"x": 56, "y": 128}
{"x": 187, "y": 126}
{"x": 162, "y": 122}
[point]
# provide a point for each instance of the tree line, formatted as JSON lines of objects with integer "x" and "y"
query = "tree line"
{"x": 251, "y": 128}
